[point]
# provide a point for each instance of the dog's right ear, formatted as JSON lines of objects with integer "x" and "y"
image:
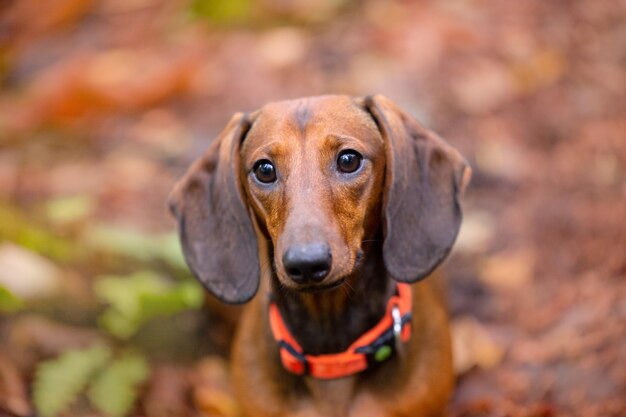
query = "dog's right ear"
{"x": 217, "y": 236}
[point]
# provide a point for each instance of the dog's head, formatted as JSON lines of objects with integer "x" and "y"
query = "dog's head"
{"x": 299, "y": 185}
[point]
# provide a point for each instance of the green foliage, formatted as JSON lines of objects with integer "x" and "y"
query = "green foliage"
{"x": 69, "y": 209}
{"x": 114, "y": 390}
{"x": 222, "y": 11}
{"x": 167, "y": 248}
{"x": 8, "y": 301}
{"x": 129, "y": 243}
{"x": 30, "y": 234}
{"x": 58, "y": 382}
{"x": 43, "y": 236}
{"x": 137, "y": 298}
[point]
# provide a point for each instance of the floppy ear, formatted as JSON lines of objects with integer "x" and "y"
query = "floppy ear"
{"x": 217, "y": 236}
{"x": 424, "y": 179}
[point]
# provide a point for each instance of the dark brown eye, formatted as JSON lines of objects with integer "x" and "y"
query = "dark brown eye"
{"x": 264, "y": 171}
{"x": 349, "y": 161}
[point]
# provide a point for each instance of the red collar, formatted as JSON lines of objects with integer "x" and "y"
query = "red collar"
{"x": 375, "y": 345}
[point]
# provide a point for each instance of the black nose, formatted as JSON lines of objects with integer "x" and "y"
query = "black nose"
{"x": 307, "y": 263}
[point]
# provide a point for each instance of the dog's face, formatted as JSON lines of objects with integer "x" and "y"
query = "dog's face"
{"x": 307, "y": 180}
{"x": 312, "y": 171}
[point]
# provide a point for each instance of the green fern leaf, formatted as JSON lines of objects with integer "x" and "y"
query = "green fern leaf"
{"x": 114, "y": 391}
{"x": 59, "y": 381}
{"x": 135, "y": 299}
{"x": 8, "y": 301}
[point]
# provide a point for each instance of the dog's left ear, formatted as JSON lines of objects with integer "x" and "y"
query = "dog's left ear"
{"x": 424, "y": 179}
{"x": 218, "y": 239}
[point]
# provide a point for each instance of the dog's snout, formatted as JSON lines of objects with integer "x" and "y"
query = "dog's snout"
{"x": 309, "y": 263}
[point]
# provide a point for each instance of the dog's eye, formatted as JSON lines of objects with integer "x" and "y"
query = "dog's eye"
{"x": 264, "y": 171}
{"x": 349, "y": 161}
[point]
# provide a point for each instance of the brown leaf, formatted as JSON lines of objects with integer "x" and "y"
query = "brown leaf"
{"x": 27, "y": 19}
{"x": 168, "y": 393}
{"x": 482, "y": 86}
{"x": 88, "y": 85}
{"x": 13, "y": 393}
{"x": 32, "y": 338}
{"x": 508, "y": 270}
{"x": 212, "y": 393}
{"x": 473, "y": 345}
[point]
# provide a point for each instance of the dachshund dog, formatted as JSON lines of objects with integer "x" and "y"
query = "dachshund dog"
{"x": 327, "y": 208}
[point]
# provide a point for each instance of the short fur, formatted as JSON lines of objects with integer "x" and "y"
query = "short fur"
{"x": 395, "y": 219}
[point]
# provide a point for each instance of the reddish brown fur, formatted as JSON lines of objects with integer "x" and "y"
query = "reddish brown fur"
{"x": 310, "y": 202}
{"x": 355, "y": 217}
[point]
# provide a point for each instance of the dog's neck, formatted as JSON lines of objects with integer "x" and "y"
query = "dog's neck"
{"x": 329, "y": 321}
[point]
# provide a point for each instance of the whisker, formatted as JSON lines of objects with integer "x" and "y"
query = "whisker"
{"x": 349, "y": 287}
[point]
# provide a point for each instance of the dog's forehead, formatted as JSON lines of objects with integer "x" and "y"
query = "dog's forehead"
{"x": 313, "y": 117}
{"x": 306, "y": 107}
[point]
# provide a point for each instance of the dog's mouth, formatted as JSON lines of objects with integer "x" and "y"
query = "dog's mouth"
{"x": 323, "y": 287}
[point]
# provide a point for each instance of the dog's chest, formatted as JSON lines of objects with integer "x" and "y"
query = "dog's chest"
{"x": 332, "y": 398}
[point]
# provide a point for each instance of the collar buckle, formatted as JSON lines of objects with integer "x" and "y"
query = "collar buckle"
{"x": 397, "y": 329}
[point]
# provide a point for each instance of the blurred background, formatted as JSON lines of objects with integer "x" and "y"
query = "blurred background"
{"x": 104, "y": 103}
